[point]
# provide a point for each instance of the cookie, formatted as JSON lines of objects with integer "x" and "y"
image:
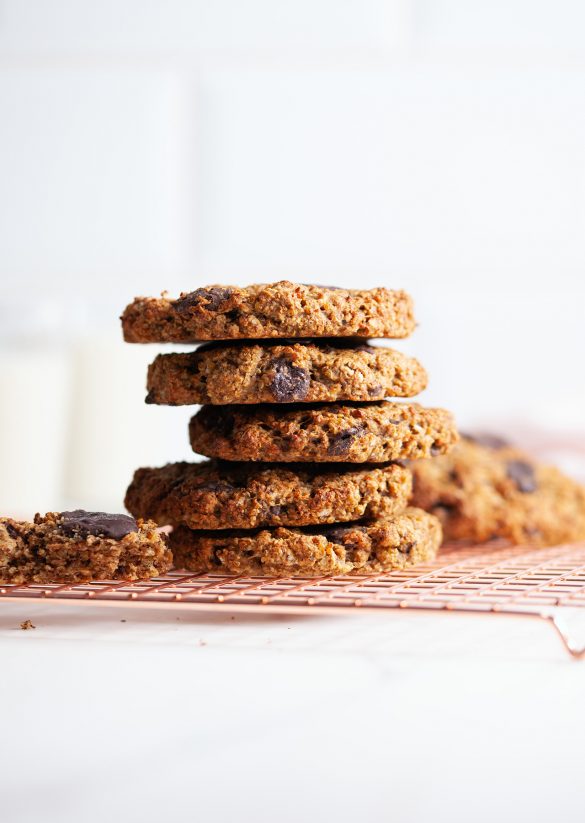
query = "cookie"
{"x": 282, "y": 309}
{"x": 353, "y": 433}
{"x": 367, "y": 548}
{"x": 487, "y": 488}
{"x": 283, "y": 372}
{"x": 215, "y": 495}
{"x": 79, "y": 546}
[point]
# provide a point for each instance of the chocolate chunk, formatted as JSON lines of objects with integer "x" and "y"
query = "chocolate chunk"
{"x": 216, "y": 486}
{"x": 436, "y": 450}
{"x": 80, "y": 523}
{"x": 218, "y": 420}
{"x": 341, "y": 443}
{"x": 335, "y": 535}
{"x": 289, "y": 382}
{"x": 150, "y": 398}
{"x": 210, "y": 299}
{"x": 376, "y": 391}
{"x": 490, "y": 441}
{"x": 522, "y": 474}
{"x": 12, "y": 532}
{"x": 276, "y": 511}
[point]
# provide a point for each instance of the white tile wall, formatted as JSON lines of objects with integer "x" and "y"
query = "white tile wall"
{"x": 437, "y": 145}
{"x": 93, "y": 163}
{"x": 416, "y": 168}
{"x": 541, "y": 26}
{"x": 185, "y": 27}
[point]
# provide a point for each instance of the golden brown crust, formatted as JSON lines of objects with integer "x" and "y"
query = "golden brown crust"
{"x": 353, "y": 433}
{"x": 282, "y": 309}
{"x": 479, "y": 492}
{"x": 283, "y": 373}
{"x": 41, "y": 552}
{"x": 215, "y": 495}
{"x": 367, "y": 548}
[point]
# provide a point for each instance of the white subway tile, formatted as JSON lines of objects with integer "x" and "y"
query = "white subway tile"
{"x": 413, "y": 169}
{"x": 183, "y": 27}
{"x": 542, "y": 26}
{"x": 94, "y": 177}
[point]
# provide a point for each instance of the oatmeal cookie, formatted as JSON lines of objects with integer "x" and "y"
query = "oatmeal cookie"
{"x": 487, "y": 488}
{"x": 79, "y": 546}
{"x": 365, "y": 548}
{"x": 353, "y": 433}
{"x": 282, "y": 309}
{"x": 283, "y": 372}
{"x": 218, "y": 495}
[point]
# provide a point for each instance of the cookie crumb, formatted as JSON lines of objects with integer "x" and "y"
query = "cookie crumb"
{"x": 26, "y": 625}
{"x": 122, "y": 620}
{"x": 202, "y": 643}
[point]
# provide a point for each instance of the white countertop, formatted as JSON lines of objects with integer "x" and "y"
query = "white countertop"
{"x": 218, "y": 717}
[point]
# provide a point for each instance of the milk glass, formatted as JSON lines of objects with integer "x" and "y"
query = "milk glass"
{"x": 34, "y": 381}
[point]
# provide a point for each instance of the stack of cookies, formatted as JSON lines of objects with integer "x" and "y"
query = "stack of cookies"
{"x": 305, "y": 473}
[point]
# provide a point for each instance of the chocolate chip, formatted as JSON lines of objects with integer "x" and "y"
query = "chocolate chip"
{"x": 216, "y": 486}
{"x": 522, "y": 474}
{"x": 335, "y": 535}
{"x": 436, "y": 450}
{"x": 210, "y": 299}
{"x": 150, "y": 398}
{"x": 80, "y": 523}
{"x": 289, "y": 382}
{"x": 376, "y": 391}
{"x": 193, "y": 364}
{"x": 338, "y": 534}
{"x": 12, "y": 532}
{"x": 490, "y": 441}
{"x": 341, "y": 443}
{"x": 276, "y": 511}
{"x": 218, "y": 420}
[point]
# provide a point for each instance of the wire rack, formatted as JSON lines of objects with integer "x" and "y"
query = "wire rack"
{"x": 492, "y": 578}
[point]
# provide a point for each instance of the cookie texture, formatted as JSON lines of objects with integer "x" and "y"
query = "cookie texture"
{"x": 218, "y": 495}
{"x": 367, "y": 548}
{"x": 282, "y": 309}
{"x": 283, "y": 372}
{"x": 79, "y": 546}
{"x": 487, "y": 488}
{"x": 354, "y": 433}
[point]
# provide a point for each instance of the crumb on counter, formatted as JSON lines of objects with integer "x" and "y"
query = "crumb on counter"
{"x": 26, "y": 625}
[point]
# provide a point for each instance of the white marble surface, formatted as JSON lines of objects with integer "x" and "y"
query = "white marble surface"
{"x": 397, "y": 716}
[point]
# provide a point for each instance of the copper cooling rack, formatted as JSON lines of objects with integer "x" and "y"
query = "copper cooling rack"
{"x": 492, "y": 578}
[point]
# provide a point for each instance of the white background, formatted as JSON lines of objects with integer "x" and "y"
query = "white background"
{"x": 434, "y": 145}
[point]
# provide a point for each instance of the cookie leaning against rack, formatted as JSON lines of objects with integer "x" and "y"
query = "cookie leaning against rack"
{"x": 488, "y": 488}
